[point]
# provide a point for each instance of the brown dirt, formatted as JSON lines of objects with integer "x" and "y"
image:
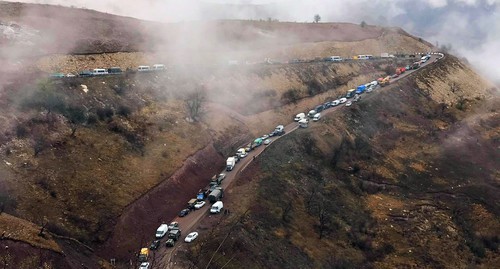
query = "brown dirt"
{"x": 136, "y": 225}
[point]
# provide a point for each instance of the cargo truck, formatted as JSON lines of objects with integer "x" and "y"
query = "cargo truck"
{"x": 360, "y": 89}
{"x": 216, "y": 195}
{"x": 143, "y": 255}
{"x": 230, "y": 162}
{"x": 350, "y": 93}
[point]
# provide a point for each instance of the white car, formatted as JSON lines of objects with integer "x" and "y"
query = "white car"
{"x": 144, "y": 265}
{"x": 267, "y": 141}
{"x": 348, "y": 103}
{"x": 199, "y": 204}
{"x": 191, "y": 237}
{"x": 343, "y": 100}
{"x": 264, "y": 137}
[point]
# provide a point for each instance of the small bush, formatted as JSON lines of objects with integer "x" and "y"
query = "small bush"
{"x": 124, "y": 110}
{"x": 21, "y": 131}
{"x": 291, "y": 96}
{"x": 105, "y": 113}
{"x": 92, "y": 118}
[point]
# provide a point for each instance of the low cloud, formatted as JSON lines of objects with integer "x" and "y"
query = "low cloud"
{"x": 471, "y": 27}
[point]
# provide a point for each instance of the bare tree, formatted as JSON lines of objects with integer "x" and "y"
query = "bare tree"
{"x": 317, "y": 18}
{"x": 323, "y": 219}
{"x": 194, "y": 103}
{"x": 43, "y": 225}
{"x": 76, "y": 116}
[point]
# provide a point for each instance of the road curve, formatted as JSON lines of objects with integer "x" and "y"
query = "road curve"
{"x": 187, "y": 223}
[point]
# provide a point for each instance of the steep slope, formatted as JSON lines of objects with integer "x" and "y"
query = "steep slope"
{"x": 408, "y": 177}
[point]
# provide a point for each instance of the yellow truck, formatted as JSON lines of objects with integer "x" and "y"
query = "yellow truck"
{"x": 143, "y": 255}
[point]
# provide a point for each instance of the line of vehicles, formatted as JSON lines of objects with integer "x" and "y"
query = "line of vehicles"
{"x": 161, "y": 67}
{"x": 109, "y": 71}
{"x": 214, "y": 192}
{"x": 315, "y": 114}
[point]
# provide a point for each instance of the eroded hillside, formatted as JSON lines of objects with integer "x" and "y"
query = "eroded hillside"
{"x": 408, "y": 177}
{"x": 78, "y": 152}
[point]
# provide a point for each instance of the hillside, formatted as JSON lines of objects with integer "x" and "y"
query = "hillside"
{"x": 96, "y": 163}
{"x": 399, "y": 180}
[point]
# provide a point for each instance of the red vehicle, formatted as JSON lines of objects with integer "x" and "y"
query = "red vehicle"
{"x": 400, "y": 70}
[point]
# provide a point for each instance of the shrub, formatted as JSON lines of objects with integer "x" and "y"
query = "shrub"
{"x": 21, "y": 131}
{"x": 124, "y": 110}
{"x": 291, "y": 96}
{"x": 105, "y": 113}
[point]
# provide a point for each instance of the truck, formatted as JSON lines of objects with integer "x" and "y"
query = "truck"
{"x": 299, "y": 117}
{"x": 216, "y": 195}
{"x": 201, "y": 195}
{"x": 161, "y": 231}
{"x": 230, "y": 162}
{"x": 386, "y": 55}
{"x": 191, "y": 203}
{"x": 303, "y": 123}
{"x": 174, "y": 234}
{"x": 217, "y": 207}
{"x": 385, "y": 81}
{"x": 360, "y": 89}
{"x": 218, "y": 178}
{"x": 143, "y": 255}
{"x": 257, "y": 142}
{"x": 350, "y": 93}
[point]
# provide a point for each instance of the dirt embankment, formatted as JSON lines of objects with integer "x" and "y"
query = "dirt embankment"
{"x": 135, "y": 227}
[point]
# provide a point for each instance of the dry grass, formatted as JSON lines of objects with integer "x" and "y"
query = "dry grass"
{"x": 21, "y": 230}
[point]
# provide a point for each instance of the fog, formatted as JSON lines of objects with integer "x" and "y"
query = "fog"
{"x": 471, "y": 27}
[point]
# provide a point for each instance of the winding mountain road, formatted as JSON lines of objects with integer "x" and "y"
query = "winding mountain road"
{"x": 165, "y": 257}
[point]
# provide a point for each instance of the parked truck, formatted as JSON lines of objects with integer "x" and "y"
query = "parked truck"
{"x": 385, "y": 81}
{"x": 257, "y": 142}
{"x": 143, "y": 255}
{"x": 216, "y": 195}
{"x": 174, "y": 234}
{"x": 218, "y": 178}
{"x": 299, "y": 117}
{"x": 350, "y": 93}
{"x": 360, "y": 89}
{"x": 230, "y": 162}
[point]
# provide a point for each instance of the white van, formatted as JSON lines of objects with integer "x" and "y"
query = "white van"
{"x": 303, "y": 123}
{"x": 143, "y": 68}
{"x": 299, "y": 117}
{"x": 99, "y": 72}
{"x": 216, "y": 207}
{"x": 334, "y": 59}
{"x": 364, "y": 57}
{"x": 158, "y": 67}
{"x": 317, "y": 116}
{"x": 162, "y": 231}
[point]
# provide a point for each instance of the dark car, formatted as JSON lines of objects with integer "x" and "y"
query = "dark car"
{"x": 170, "y": 243}
{"x": 115, "y": 70}
{"x": 327, "y": 105}
{"x": 319, "y": 108}
{"x": 85, "y": 73}
{"x": 154, "y": 245}
{"x": 183, "y": 212}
